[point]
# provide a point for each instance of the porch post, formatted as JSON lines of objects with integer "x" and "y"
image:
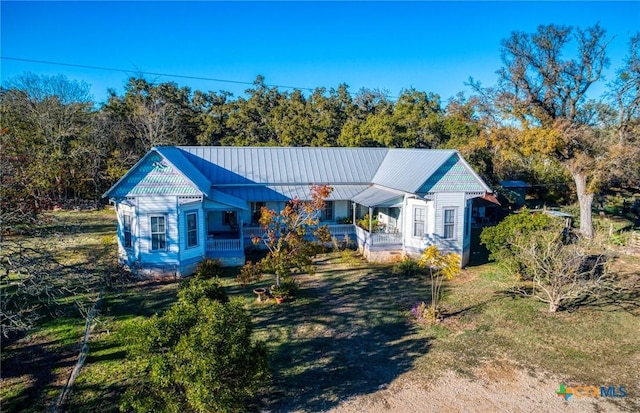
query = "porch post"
{"x": 370, "y": 219}
{"x": 241, "y": 232}
{"x": 353, "y": 207}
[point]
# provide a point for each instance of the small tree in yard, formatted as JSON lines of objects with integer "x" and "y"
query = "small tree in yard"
{"x": 286, "y": 236}
{"x": 561, "y": 273}
{"x": 198, "y": 356}
{"x": 440, "y": 267}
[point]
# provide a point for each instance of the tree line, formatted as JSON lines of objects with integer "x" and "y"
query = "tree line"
{"x": 535, "y": 124}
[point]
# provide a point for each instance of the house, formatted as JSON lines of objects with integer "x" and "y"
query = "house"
{"x": 180, "y": 204}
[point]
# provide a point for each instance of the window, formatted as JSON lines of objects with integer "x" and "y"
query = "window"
{"x": 230, "y": 218}
{"x": 158, "y": 233}
{"x": 126, "y": 230}
{"x": 256, "y": 210}
{"x": 449, "y": 223}
{"x": 327, "y": 211}
{"x": 192, "y": 229}
{"x": 419, "y": 221}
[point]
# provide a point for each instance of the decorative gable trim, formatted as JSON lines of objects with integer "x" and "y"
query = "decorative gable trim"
{"x": 454, "y": 175}
{"x": 153, "y": 175}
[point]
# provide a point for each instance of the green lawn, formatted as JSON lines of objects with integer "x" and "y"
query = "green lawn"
{"x": 349, "y": 332}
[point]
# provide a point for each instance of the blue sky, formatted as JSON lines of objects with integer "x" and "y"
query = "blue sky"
{"x": 431, "y": 46}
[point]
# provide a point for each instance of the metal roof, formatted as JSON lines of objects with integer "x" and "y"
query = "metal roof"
{"x": 377, "y": 196}
{"x": 285, "y": 165}
{"x": 407, "y": 169}
{"x": 282, "y": 173}
{"x": 252, "y": 193}
{"x": 453, "y": 176}
{"x": 514, "y": 184}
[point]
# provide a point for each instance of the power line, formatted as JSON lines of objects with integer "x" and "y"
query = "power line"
{"x": 238, "y": 82}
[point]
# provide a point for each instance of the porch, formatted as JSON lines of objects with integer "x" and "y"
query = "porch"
{"x": 227, "y": 241}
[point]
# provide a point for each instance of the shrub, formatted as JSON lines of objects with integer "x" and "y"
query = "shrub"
{"x": 198, "y": 356}
{"x": 525, "y": 223}
{"x": 407, "y": 267}
{"x": 194, "y": 289}
{"x": 249, "y": 273}
{"x": 209, "y": 268}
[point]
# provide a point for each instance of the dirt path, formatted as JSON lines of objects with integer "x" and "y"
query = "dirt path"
{"x": 496, "y": 388}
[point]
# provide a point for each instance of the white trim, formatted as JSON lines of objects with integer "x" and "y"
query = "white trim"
{"x": 413, "y": 221}
{"x": 454, "y": 223}
{"x": 151, "y": 233}
{"x": 186, "y": 229}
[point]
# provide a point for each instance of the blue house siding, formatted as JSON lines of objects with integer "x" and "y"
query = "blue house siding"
{"x": 158, "y": 206}
{"x": 456, "y": 202}
{"x": 197, "y": 252}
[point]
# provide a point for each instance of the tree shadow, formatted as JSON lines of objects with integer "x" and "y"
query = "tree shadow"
{"x": 34, "y": 364}
{"x": 331, "y": 369}
{"x": 342, "y": 336}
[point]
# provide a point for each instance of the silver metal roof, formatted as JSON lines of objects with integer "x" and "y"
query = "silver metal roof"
{"x": 281, "y": 173}
{"x": 407, "y": 169}
{"x": 377, "y": 196}
{"x": 252, "y": 193}
{"x": 280, "y": 165}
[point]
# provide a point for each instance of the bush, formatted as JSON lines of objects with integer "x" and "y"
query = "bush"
{"x": 497, "y": 239}
{"x": 209, "y": 268}
{"x": 194, "y": 289}
{"x": 376, "y": 226}
{"x": 407, "y": 267}
{"x": 198, "y": 356}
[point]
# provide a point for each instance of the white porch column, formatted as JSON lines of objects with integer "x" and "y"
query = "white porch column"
{"x": 370, "y": 220}
{"x": 241, "y": 232}
{"x": 353, "y": 207}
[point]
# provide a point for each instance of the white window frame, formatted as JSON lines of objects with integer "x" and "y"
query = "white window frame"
{"x": 453, "y": 224}
{"x": 127, "y": 230}
{"x": 152, "y": 233}
{"x": 415, "y": 222}
{"x": 189, "y": 231}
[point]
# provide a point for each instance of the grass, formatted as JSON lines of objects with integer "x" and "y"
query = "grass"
{"x": 348, "y": 332}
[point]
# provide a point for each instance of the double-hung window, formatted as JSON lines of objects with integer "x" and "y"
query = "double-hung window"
{"x": 419, "y": 221}
{"x": 449, "y": 223}
{"x": 126, "y": 231}
{"x": 327, "y": 211}
{"x": 192, "y": 229}
{"x": 158, "y": 233}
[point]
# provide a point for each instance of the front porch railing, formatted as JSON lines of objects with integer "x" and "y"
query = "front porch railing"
{"x": 339, "y": 230}
{"x": 336, "y": 230}
{"x": 223, "y": 245}
{"x": 377, "y": 238}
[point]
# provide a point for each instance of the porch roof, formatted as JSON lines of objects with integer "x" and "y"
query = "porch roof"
{"x": 378, "y": 196}
{"x": 255, "y": 193}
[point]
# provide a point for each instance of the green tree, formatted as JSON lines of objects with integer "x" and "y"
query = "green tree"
{"x": 546, "y": 92}
{"x": 250, "y": 120}
{"x": 45, "y": 128}
{"x": 497, "y": 239}
{"x": 198, "y": 356}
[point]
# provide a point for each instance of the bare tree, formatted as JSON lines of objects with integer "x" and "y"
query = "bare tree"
{"x": 562, "y": 272}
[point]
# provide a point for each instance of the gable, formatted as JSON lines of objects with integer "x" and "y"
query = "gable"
{"x": 153, "y": 175}
{"x": 453, "y": 175}
{"x": 407, "y": 169}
